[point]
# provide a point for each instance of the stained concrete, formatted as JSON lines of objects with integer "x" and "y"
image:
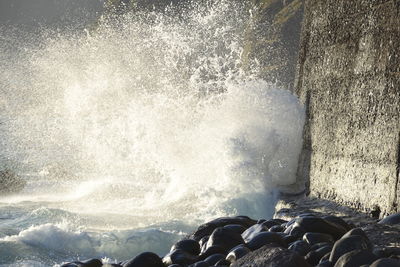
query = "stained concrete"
{"x": 273, "y": 40}
{"x": 349, "y": 78}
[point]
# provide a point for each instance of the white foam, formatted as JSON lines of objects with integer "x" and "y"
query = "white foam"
{"x": 148, "y": 120}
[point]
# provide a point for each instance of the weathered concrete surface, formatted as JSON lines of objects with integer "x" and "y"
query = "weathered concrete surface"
{"x": 273, "y": 39}
{"x": 349, "y": 78}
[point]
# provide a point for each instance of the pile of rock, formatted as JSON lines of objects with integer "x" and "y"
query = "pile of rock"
{"x": 307, "y": 240}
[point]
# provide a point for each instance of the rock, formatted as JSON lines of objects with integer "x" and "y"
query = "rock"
{"x": 356, "y": 231}
{"x": 320, "y": 245}
{"x": 386, "y": 252}
{"x": 270, "y": 256}
{"x": 200, "y": 264}
{"x": 290, "y": 239}
{"x": 319, "y": 225}
{"x": 314, "y": 238}
{"x": 236, "y": 228}
{"x": 386, "y": 263}
{"x": 268, "y": 224}
{"x": 146, "y": 259}
{"x": 391, "y": 219}
{"x": 347, "y": 244}
{"x": 237, "y": 253}
{"x": 325, "y": 257}
{"x": 301, "y": 247}
{"x": 222, "y": 262}
{"x": 264, "y": 238}
{"x": 325, "y": 264}
{"x": 213, "y": 259}
{"x": 111, "y": 265}
{"x": 253, "y": 230}
{"x": 208, "y": 228}
{"x": 224, "y": 238}
{"x": 356, "y": 258}
{"x": 179, "y": 256}
{"x": 86, "y": 263}
{"x": 313, "y": 257}
{"x": 297, "y": 231}
{"x": 276, "y": 228}
{"x": 189, "y": 245}
{"x": 338, "y": 221}
{"x": 210, "y": 251}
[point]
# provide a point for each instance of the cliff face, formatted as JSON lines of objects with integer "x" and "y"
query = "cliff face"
{"x": 349, "y": 78}
{"x": 273, "y": 39}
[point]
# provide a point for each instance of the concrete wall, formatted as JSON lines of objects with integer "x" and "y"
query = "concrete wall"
{"x": 349, "y": 78}
{"x": 273, "y": 39}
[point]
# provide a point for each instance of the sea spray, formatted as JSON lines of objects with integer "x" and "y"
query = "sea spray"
{"x": 148, "y": 122}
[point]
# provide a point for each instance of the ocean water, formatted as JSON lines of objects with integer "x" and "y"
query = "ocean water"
{"x": 135, "y": 131}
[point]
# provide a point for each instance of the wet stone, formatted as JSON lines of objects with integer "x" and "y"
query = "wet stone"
{"x": 224, "y": 238}
{"x": 347, "y": 244}
{"x": 276, "y": 228}
{"x": 391, "y": 219}
{"x": 200, "y": 264}
{"x": 319, "y": 225}
{"x": 356, "y": 258}
{"x": 210, "y": 251}
{"x": 314, "y": 257}
{"x": 208, "y": 228}
{"x": 237, "y": 253}
{"x": 386, "y": 262}
{"x": 252, "y": 231}
{"x": 301, "y": 247}
{"x": 189, "y": 245}
{"x": 146, "y": 259}
{"x": 315, "y": 238}
{"x": 179, "y": 256}
{"x": 213, "y": 259}
{"x": 265, "y": 238}
{"x": 223, "y": 262}
{"x": 271, "y": 256}
{"x": 236, "y": 228}
{"x": 338, "y": 221}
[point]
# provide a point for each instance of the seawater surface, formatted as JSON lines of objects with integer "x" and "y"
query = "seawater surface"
{"x": 132, "y": 133}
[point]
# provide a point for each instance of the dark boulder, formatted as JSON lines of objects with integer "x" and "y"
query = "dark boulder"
{"x": 265, "y": 238}
{"x": 301, "y": 247}
{"x": 210, "y": 251}
{"x": 200, "y": 264}
{"x": 224, "y": 238}
{"x": 338, "y": 221}
{"x": 237, "y": 253}
{"x": 179, "y": 256}
{"x": 213, "y": 259}
{"x": 356, "y": 258}
{"x": 276, "y": 228}
{"x": 319, "y": 225}
{"x": 222, "y": 262}
{"x": 391, "y": 219}
{"x": 315, "y": 238}
{"x": 252, "y": 231}
{"x": 347, "y": 244}
{"x": 356, "y": 231}
{"x": 236, "y": 228}
{"x": 314, "y": 257}
{"x": 386, "y": 263}
{"x": 270, "y": 256}
{"x": 189, "y": 245}
{"x": 146, "y": 259}
{"x": 208, "y": 228}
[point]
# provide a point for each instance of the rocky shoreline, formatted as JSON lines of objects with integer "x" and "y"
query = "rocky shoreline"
{"x": 304, "y": 232}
